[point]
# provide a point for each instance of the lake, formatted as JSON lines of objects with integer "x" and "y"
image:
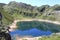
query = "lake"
{"x": 35, "y": 28}
{"x": 32, "y": 32}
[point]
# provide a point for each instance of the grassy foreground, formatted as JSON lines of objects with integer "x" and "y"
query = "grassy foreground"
{"x": 54, "y": 37}
{"x": 51, "y": 37}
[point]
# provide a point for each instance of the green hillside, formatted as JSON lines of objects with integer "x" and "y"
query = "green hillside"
{"x": 15, "y": 10}
{"x": 6, "y": 18}
{"x": 52, "y": 37}
{"x": 22, "y": 10}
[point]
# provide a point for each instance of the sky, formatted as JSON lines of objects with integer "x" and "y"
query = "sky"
{"x": 34, "y": 2}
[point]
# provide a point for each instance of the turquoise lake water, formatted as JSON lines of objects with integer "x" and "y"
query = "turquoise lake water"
{"x": 35, "y": 28}
{"x": 32, "y": 32}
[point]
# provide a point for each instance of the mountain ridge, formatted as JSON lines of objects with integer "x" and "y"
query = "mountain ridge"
{"x": 22, "y": 10}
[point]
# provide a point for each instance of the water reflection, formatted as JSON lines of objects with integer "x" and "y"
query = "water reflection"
{"x": 32, "y": 32}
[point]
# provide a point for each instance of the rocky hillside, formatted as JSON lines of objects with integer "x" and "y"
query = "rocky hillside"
{"x": 22, "y": 10}
{"x": 26, "y": 10}
{"x": 6, "y": 18}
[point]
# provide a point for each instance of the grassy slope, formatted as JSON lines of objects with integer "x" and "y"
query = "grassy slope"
{"x": 22, "y": 10}
{"x": 6, "y": 18}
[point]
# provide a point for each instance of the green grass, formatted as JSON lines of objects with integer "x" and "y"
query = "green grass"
{"x": 53, "y": 37}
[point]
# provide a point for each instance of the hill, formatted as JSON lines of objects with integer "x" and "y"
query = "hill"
{"x": 6, "y": 18}
{"x": 22, "y": 10}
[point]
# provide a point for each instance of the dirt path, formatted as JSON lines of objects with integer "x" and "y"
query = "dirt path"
{"x": 13, "y": 26}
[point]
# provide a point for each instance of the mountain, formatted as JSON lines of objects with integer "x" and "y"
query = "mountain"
{"x": 26, "y": 10}
{"x": 6, "y": 18}
{"x": 2, "y": 4}
{"x": 22, "y": 10}
{"x": 54, "y": 12}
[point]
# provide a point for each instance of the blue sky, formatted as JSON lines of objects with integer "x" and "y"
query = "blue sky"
{"x": 34, "y": 2}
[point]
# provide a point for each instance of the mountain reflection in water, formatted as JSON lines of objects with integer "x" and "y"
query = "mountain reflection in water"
{"x": 32, "y": 32}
